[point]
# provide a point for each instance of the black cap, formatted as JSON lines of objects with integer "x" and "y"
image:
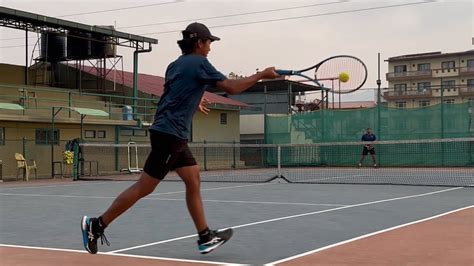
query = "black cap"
{"x": 200, "y": 31}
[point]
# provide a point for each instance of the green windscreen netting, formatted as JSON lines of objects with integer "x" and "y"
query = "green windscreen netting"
{"x": 435, "y": 122}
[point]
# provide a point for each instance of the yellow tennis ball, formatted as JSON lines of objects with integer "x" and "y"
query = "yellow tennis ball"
{"x": 343, "y": 77}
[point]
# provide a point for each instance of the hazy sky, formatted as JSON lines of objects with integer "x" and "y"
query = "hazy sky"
{"x": 445, "y": 26}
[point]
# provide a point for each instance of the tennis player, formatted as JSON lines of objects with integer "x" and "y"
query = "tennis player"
{"x": 368, "y": 148}
{"x": 186, "y": 79}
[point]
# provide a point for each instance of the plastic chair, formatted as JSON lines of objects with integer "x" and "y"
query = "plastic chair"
{"x": 23, "y": 165}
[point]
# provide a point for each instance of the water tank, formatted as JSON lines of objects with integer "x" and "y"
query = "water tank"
{"x": 103, "y": 46}
{"x": 53, "y": 47}
{"x": 127, "y": 112}
{"x": 79, "y": 45}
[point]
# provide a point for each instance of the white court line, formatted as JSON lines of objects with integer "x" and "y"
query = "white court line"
{"x": 365, "y": 236}
{"x": 210, "y": 189}
{"x": 295, "y": 216}
{"x": 329, "y": 178}
{"x": 121, "y": 255}
{"x": 58, "y": 185}
{"x": 167, "y": 199}
{"x": 259, "y": 202}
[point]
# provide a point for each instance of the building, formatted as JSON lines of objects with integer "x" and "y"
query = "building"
{"x": 426, "y": 79}
{"x": 268, "y": 97}
{"x": 29, "y": 130}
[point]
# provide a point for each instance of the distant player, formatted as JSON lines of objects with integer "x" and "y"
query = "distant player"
{"x": 368, "y": 148}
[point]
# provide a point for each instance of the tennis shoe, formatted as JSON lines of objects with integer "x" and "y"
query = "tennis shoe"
{"x": 359, "y": 165}
{"x": 216, "y": 239}
{"x": 91, "y": 232}
{"x": 375, "y": 165}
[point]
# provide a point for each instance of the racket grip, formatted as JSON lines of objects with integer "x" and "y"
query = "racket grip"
{"x": 283, "y": 72}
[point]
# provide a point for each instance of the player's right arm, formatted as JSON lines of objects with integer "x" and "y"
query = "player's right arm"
{"x": 236, "y": 86}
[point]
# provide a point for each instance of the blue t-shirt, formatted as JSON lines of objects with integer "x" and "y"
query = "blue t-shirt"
{"x": 368, "y": 137}
{"x": 186, "y": 80}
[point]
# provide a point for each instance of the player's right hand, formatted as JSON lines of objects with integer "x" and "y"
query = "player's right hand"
{"x": 269, "y": 73}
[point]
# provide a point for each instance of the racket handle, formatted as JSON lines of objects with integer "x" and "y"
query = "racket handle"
{"x": 283, "y": 72}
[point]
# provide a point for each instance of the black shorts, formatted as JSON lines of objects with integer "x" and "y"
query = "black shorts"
{"x": 367, "y": 151}
{"x": 168, "y": 152}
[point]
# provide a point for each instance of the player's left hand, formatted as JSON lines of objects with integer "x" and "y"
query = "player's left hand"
{"x": 203, "y": 106}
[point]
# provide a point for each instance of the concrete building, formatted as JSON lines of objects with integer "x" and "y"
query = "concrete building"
{"x": 426, "y": 79}
{"x": 29, "y": 130}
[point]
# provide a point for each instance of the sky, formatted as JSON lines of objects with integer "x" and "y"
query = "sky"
{"x": 289, "y": 38}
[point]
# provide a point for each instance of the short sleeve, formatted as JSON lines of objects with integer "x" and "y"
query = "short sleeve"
{"x": 209, "y": 74}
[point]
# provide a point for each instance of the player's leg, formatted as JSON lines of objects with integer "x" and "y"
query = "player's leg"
{"x": 362, "y": 157}
{"x": 155, "y": 170}
{"x": 144, "y": 186}
{"x": 192, "y": 181}
{"x": 208, "y": 239}
{"x": 93, "y": 228}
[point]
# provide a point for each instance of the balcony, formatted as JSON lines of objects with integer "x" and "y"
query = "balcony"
{"x": 408, "y": 75}
{"x": 466, "y": 91}
{"x": 466, "y": 71}
{"x": 408, "y": 94}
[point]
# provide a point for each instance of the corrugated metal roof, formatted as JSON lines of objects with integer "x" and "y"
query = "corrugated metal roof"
{"x": 154, "y": 85}
{"x": 428, "y": 55}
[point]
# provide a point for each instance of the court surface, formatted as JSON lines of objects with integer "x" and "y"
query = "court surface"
{"x": 275, "y": 223}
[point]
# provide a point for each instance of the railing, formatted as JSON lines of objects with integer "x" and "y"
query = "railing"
{"x": 408, "y": 74}
{"x": 408, "y": 92}
{"x": 67, "y": 98}
{"x": 430, "y": 72}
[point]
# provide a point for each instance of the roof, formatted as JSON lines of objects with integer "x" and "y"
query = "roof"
{"x": 154, "y": 85}
{"x": 40, "y": 21}
{"x": 353, "y": 105}
{"x": 11, "y": 106}
{"x": 428, "y": 55}
{"x": 278, "y": 85}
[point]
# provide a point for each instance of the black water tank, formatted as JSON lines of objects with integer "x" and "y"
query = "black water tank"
{"x": 79, "y": 45}
{"x": 103, "y": 45}
{"x": 53, "y": 47}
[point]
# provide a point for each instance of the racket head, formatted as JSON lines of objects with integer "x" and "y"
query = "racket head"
{"x": 332, "y": 67}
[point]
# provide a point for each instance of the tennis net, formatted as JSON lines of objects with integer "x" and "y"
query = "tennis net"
{"x": 436, "y": 162}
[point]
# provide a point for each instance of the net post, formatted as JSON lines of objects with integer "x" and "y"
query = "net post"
{"x": 279, "y": 161}
{"x": 205, "y": 155}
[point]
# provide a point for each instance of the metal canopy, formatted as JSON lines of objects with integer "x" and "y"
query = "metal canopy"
{"x": 11, "y": 106}
{"x": 88, "y": 111}
{"x": 18, "y": 19}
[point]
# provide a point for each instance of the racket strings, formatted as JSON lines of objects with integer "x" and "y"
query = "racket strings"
{"x": 328, "y": 74}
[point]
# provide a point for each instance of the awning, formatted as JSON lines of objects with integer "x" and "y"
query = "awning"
{"x": 11, "y": 106}
{"x": 88, "y": 111}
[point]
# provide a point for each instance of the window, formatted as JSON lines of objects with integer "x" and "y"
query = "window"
{"x": 448, "y": 85}
{"x": 470, "y": 84}
{"x": 401, "y": 68}
{"x": 45, "y": 136}
{"x": 133, "y": 132}
{"x": 423, "y": 103}
{"x": 470, "y": 63}
{"x": 401, "y": 104}
{"x": 449, "y": 101}
{"x": 447, "y": 65}
{"x": 140, "y": 132}
{"x": 423, "y": 87}
{"x": 89, "y": 134}
{"x": 424, "y": 67}
{"x": 2, "y": 136}
{"x": 400, "y": 89}
{"x": 101, "y": 134}
{"x": 223, "y": 119}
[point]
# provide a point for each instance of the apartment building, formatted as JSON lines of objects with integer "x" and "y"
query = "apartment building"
{"x": 427, "y": 79}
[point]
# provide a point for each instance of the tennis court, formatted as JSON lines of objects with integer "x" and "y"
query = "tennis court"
{"x": 275, "y": 222}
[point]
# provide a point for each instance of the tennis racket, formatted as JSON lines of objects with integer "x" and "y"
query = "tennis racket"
{"x": 345, "y": 73}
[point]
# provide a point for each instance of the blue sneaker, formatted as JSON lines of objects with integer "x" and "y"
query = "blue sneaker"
{"x": 216, "y": 239}
{"x": 90, "y": 233}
